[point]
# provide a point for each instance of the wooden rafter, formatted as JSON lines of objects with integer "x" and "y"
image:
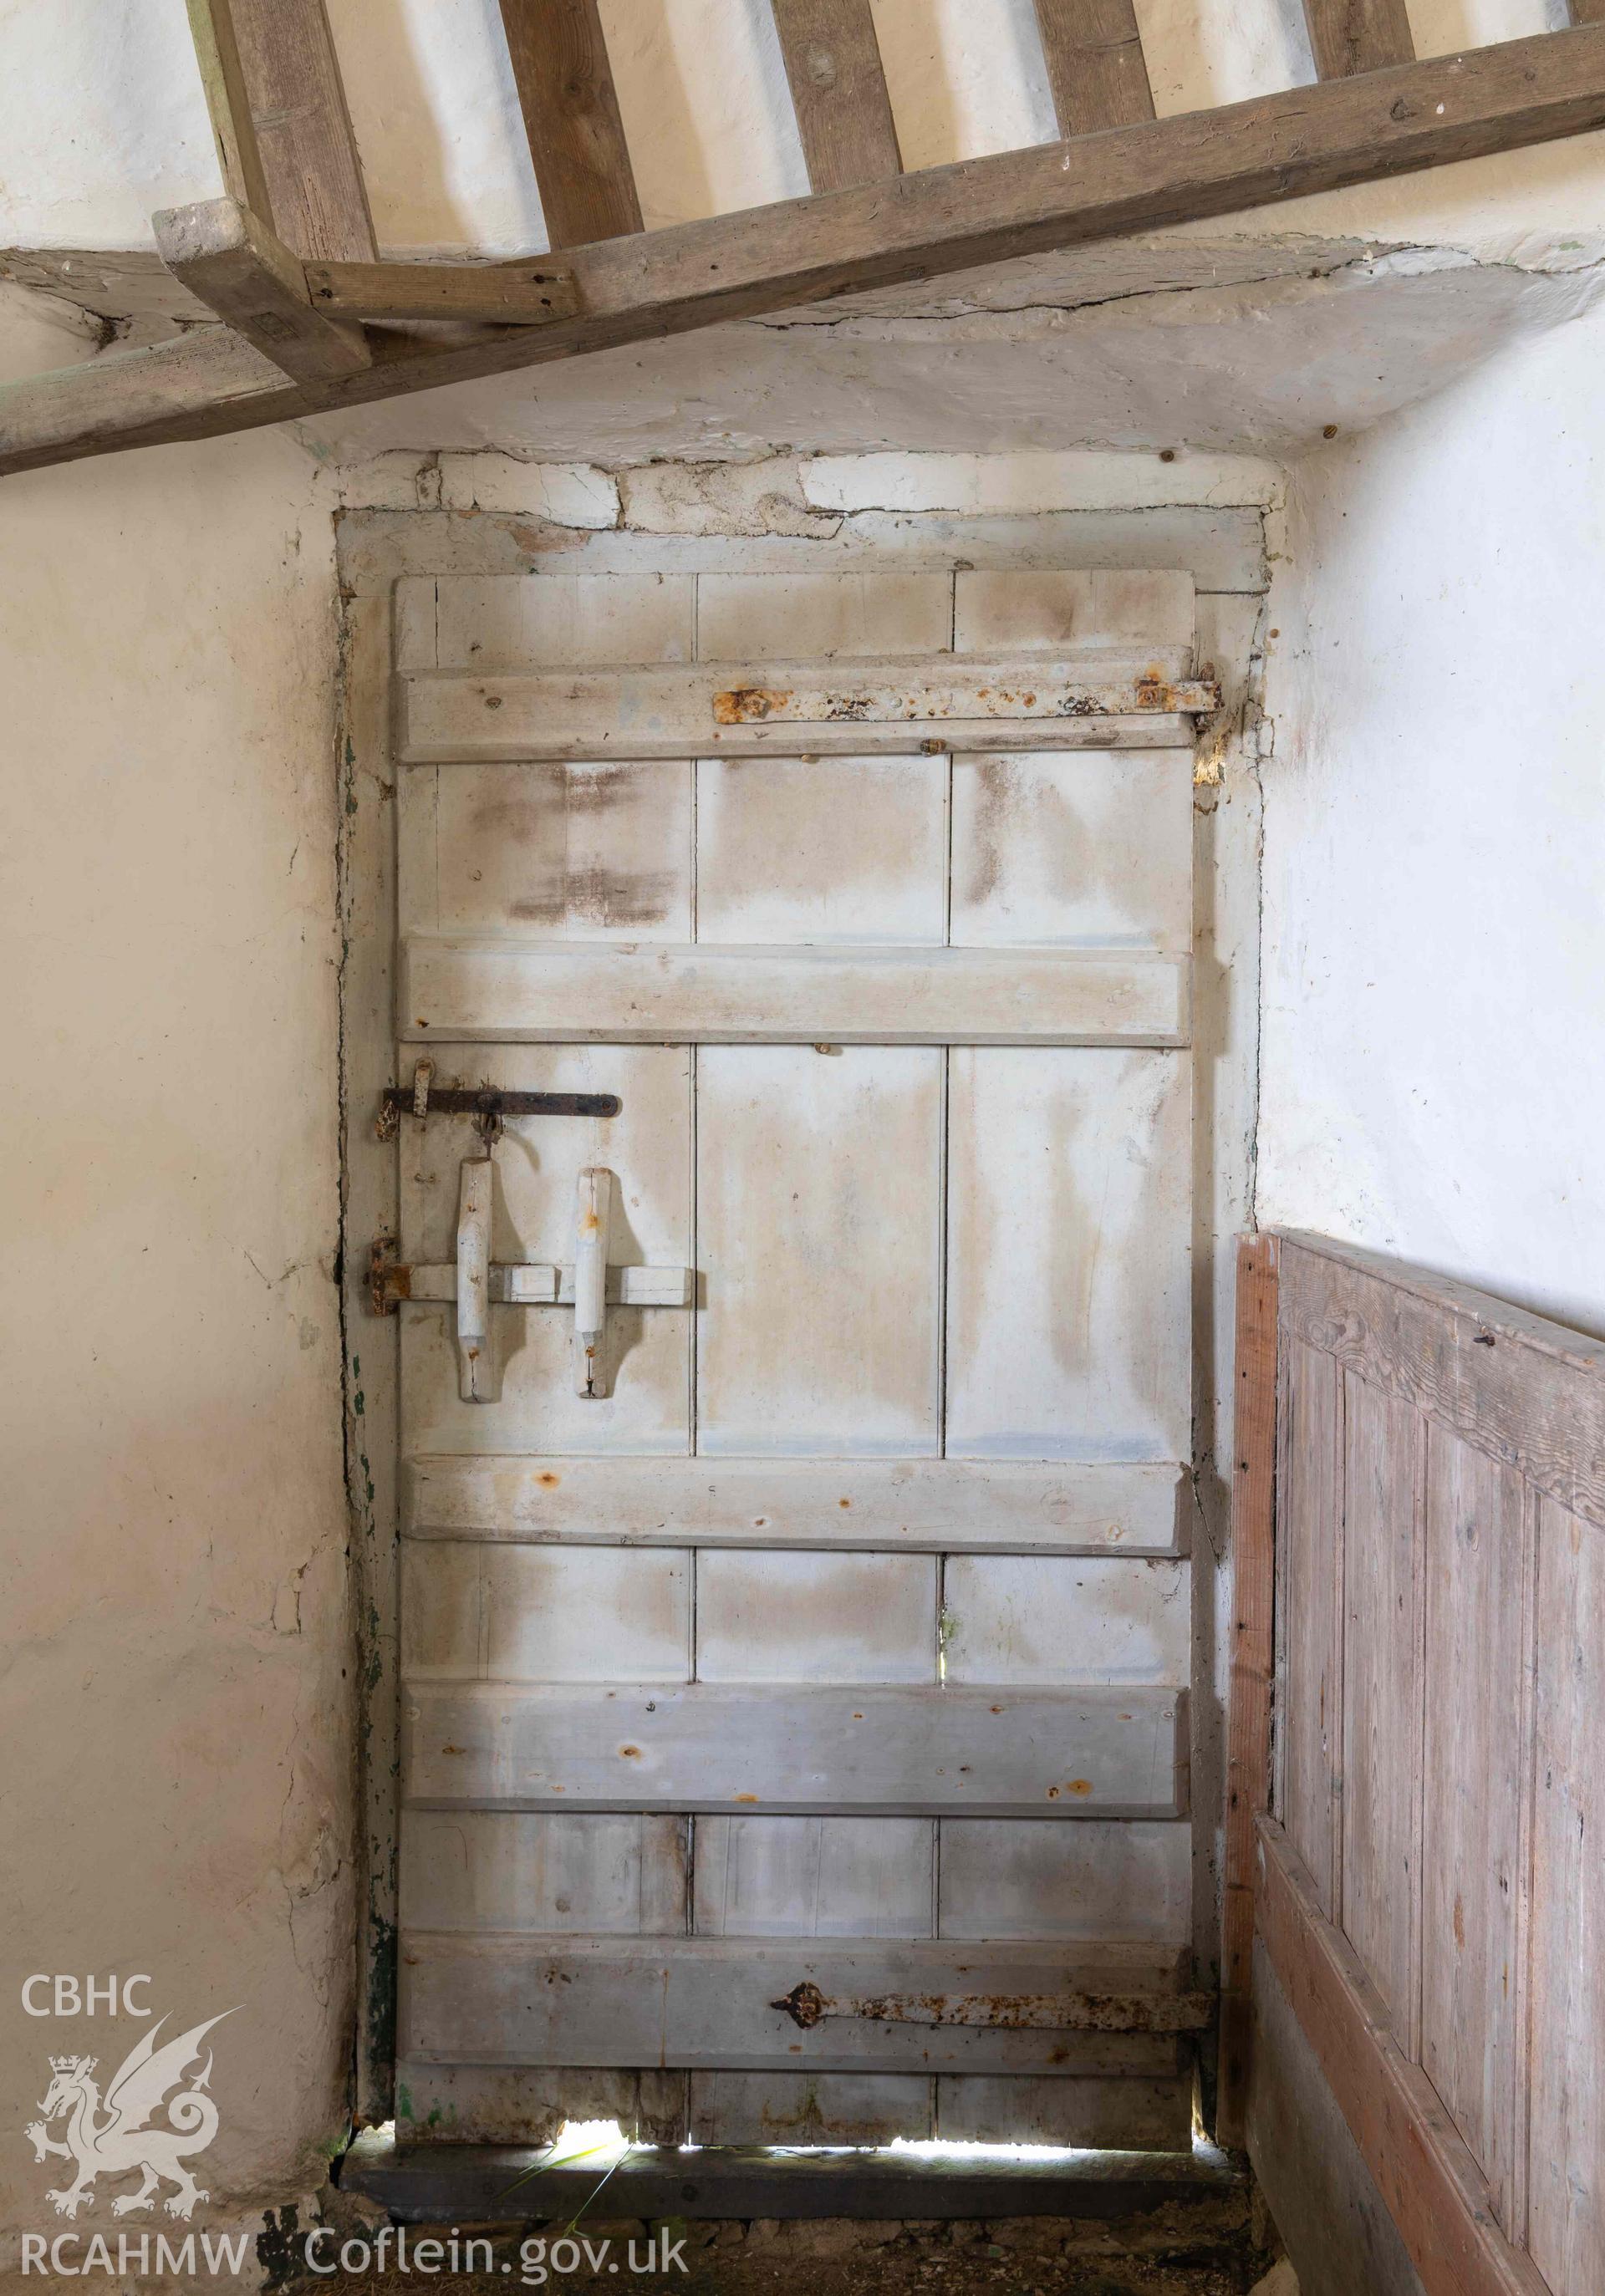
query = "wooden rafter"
{"x": 571, "y": 114}
{"x": 1096, "y": 67}
{"x": 1358, "y": 36}
{"x": 935, "y": 221}
{"x": 284, "y": 133}
{"x": 838, "y": 89}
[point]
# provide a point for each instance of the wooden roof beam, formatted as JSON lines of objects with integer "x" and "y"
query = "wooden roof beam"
{"x": 235, "y": 266}
{"x": 919, "y": 226}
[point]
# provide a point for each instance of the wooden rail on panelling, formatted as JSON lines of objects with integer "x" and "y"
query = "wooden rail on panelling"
{"x": 1357, "y": 126}
{"x": 1427, "y": 1896}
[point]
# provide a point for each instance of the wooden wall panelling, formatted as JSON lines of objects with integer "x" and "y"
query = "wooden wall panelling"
{"x": 833, "y": 65}
{"x": 1476, "y": 1761}
{"x": 1384, "y": 1459}
{"x": 1309, "y": 1609}
{"x": 1430, "y": 2183}
{"x": 571, "y": 114}
{"x": 1253, "y": 1455}
{"x": 1566, "y": 2201}
{"x": 1528, "y": 1392}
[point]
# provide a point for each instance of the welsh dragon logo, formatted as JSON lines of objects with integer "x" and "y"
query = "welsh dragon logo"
{"x": 123, "y": 2140}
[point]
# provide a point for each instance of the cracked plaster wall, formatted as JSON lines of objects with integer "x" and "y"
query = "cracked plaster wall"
{"x": 175, "y": 1797}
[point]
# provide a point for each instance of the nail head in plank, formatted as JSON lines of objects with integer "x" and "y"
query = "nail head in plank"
{"x": 1092, "y": 1752}
{"x": 955, "y": 1506}
{"x": 229, "y": 257}
{"x": 944, "y": 220}
{"x": 833, "y": 64}
{"x": 1096, "y": 69}
{"x": 560, "y": 992}
{"x": 571, "y": 114}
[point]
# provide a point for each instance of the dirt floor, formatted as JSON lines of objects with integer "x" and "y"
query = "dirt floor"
{"x": 1195, "y": 2250}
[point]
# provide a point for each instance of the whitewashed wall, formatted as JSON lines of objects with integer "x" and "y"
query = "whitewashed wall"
{"x": 1433, "y": 1065}
{"x": 174, "y": 1687}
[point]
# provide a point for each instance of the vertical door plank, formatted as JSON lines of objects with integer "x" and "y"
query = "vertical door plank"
{"x": 563, "y": 621}
{"x": 1068, "y": 1243}
{"x": 818, "y": 1221}
{"x": 1077, "y": 849}
{"x": 570, "y": 114}
{"x": 1358, "y": 36}
{"x": 1566, "y": 2204}
{"x": 1252, "y": 1654}
{"x": 608, "y": 1873}
{"x": 1382, "y": 1448}
{"x": 800, "y": 1616}
{"x": 1310, "y": 1579}
{"x": 849, "y": 850}
{"x": 846, "y": 1877}
{"x": 564, "y": 852}
{"x": 815, "y": 617}
{"x": 1472, "y": 1781}
{"x": 586, "y": 1614}
{"x": 1098, "y": 1881}
{"x": 1093, "y": 51}
{"x": 277, "y": 57}
{"x": 1056, "y": 1619}
{"x": 832, "y": 62}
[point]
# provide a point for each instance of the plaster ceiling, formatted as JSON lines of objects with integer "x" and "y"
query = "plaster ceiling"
{"x": 1243, "y": 345}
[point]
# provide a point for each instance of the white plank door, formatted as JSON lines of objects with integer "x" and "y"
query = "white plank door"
{"x": 830, "y": 1661}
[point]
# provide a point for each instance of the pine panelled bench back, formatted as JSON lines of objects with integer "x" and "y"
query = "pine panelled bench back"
{"x": 1429, "y": 1885}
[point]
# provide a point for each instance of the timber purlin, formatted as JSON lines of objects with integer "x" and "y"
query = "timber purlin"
{"x": 1364, "y": 126}
{"x": 1438, "y": 1509}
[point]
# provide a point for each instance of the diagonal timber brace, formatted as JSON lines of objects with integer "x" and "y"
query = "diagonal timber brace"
{"x": 938, "y": 220}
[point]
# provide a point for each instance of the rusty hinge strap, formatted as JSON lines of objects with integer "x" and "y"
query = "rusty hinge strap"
{"x": 1064, "y": 2012}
